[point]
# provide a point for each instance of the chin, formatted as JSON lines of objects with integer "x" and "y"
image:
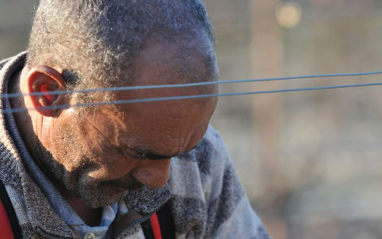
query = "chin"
{"x": 100, "y": 194}
{"x": 97, "y": 197}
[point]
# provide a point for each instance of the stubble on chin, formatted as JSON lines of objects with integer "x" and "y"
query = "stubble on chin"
{"x": 100, "y": 194}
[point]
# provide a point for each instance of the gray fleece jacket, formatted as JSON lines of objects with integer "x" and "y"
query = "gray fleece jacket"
{"x": 206, "y": 197}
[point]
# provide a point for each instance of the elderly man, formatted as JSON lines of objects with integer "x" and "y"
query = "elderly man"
{"x": 142, "y": 170}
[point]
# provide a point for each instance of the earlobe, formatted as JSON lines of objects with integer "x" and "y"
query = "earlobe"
{"x": 44, "y": 81}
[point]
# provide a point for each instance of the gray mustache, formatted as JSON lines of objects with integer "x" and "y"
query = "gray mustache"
{"x": 129, "y": 183}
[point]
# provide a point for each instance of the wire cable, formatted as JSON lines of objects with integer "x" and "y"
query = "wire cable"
{"x": 15, "y": 95}
{"x": 118, "y": 102}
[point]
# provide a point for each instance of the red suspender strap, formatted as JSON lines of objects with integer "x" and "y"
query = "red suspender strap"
{"x": 5, "y": 226}
{"x": 160, "y": 225}
{"x": 155, "y": 226}
{"x": 9, "y": 224}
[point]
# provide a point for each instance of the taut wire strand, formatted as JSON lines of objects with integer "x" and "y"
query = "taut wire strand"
{"x": 118, "y": 102}
{"x": 15, "y": 95}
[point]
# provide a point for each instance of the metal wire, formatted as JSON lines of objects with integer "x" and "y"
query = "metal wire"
{"x": 8, "y": 111}
{"x": 15, "y": 95}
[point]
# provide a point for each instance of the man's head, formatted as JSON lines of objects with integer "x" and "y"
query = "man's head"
{"x": 96, "y": 41}
{"x": 100, "y": 153}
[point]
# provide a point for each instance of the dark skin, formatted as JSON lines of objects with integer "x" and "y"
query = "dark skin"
{"x": 90, "y": 216}
{"x": 135, "y": 144}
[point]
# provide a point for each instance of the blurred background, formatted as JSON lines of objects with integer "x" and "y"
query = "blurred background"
{"x": 309, "y": 161}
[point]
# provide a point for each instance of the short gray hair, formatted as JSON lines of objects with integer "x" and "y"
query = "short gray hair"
{"x": 96, "y": 41}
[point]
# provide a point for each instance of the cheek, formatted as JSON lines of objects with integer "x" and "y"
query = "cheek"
{"x": 63, "y": 148}
{"x": 70, "y": 150}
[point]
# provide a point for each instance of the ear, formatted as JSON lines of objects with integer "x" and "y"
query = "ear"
{"x": 45, "y": 80}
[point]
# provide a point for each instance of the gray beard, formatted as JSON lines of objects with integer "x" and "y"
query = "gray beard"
{"x": 102, "y": 194}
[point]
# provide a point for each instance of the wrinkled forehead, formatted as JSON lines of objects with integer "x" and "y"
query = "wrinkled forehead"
{"x": 168, "y": 64}
{"x": 174, "y": 112}
{"x": 169, "y": 122}
{"x": 161, "y": 63}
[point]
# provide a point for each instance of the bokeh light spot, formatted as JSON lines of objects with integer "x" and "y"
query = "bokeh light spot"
{"x": 289, "y": 14}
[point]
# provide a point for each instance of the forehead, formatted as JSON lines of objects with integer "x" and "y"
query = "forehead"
{"x": 167, "y": 127}
{"x": 174, "y": 122}
{"x": 161, "y": 63}
{"x": 179, "y": 114}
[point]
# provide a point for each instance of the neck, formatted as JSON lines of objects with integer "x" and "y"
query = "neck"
{"x": 91, "y": 216}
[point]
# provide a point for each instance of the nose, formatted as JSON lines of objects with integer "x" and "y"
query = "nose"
{"x": 152, "y": 173}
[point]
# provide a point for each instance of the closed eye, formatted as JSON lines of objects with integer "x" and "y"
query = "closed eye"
{"x": 147, "y": 154}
